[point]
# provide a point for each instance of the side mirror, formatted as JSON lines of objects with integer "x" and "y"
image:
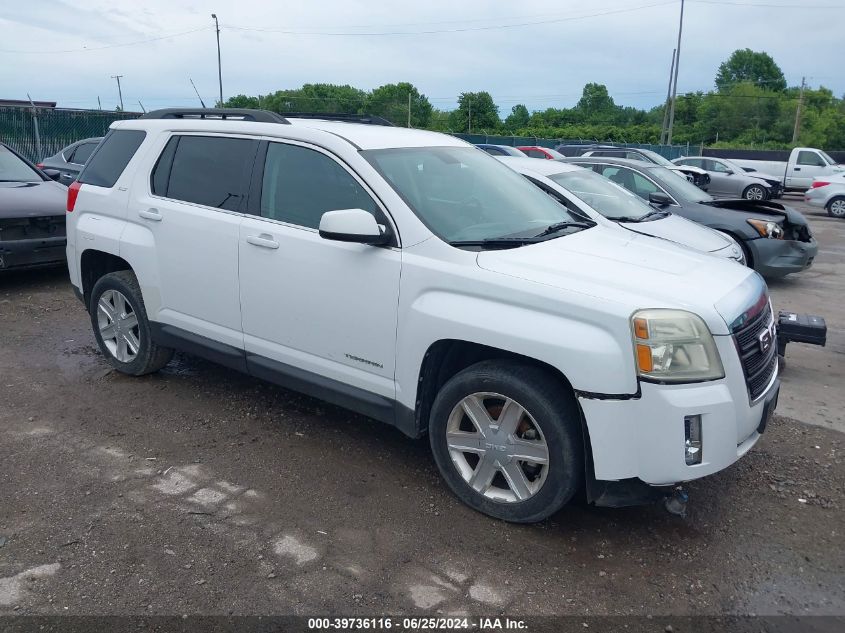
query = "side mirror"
{"x": 52, "y": 174}
{"x": 659, "y": 198}
{"x": 729, "y": 173}
{"x": 352, "y": 225}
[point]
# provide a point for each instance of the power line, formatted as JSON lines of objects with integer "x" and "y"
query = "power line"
{"x": 768, "y": 5}
{"x": 100, "y": 48}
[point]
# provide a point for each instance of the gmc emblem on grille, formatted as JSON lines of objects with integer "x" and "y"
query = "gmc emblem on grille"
{"x": 765, "y": 339}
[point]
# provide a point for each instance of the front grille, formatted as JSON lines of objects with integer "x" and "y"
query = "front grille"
{"x": 757, "y": 365}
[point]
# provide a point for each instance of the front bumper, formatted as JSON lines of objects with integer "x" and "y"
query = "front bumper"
{"x": 777, "y": 258}
{"x": 644, "y": 437}
{"x": 19, "y": 254}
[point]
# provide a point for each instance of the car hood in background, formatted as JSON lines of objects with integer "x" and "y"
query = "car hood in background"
{"x": 28, "y": 199}
{"x": 634, "y": 270}
{"x": 757, "y": 207}
{"x": 681, "y": 231}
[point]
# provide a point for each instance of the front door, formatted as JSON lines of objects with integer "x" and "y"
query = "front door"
{"x": 317, "y": 311}
{"x": 807, "y": 166}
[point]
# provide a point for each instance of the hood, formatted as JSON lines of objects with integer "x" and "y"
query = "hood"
{"x": 763, "y": 176}
{"x": 629, "y": 269}
{"x": 681, "y": 231}
{"x": 686, "y": 168}
{"x": 760, "y": 207}
{"x": 28, "y": 199}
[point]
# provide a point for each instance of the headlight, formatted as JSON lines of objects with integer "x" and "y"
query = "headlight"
{"x": 674, "y": 346}
{"x": 767, "y": 228}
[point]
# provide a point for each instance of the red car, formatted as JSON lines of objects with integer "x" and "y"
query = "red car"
{"x": 535, "y": 151}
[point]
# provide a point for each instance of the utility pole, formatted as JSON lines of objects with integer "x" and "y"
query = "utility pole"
{"x": 35, "y": 127}
{"x": 675, "y": 81}
{"x": 797, "y": 128}
{"x": 119, "y": 92}
{"x": 202, "y": 103}
{"x": 409, "y": 109}
{"x": 219, "y": 67}
{"x": 469, "y": 106}
{"x": 142, "y": 106}
{"x": 668, "y": 97}
{"x": 99, "y": 105}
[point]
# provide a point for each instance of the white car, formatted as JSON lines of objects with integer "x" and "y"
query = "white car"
{"x": 597, "y": 197}
{"x": 408, "y": 276}
{"x": 828, "y": 192}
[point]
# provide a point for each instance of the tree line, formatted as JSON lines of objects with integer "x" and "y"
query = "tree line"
{"x": 751, "y": 105}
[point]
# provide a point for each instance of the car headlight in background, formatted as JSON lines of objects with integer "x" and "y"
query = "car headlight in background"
{"x": 674, "y": 346}
{"x": 767, "y": 228}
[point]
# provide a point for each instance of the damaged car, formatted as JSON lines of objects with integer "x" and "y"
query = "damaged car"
{"x": 775, "y": 238}
{"x": 32, "y": 214}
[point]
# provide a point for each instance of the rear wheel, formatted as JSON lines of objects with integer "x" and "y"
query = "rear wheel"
{"x": 755, "y": 192}
{"x": 836, "y": 208}
{"x": 121, "y": 327}
{"x": 506, "y": 437}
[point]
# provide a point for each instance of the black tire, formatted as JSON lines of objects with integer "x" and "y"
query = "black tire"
{"x": 549, "y": 402}
{"x": 836, "y": 207}
{"x": 749, "y": 192}
{"x": 149, "y": 357}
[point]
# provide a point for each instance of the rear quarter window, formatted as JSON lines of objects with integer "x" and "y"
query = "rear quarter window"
{"x": 111, "y": 157}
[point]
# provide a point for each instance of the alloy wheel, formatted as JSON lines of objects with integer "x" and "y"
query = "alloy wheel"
{"x": 497, "y": 447}
{"x": 837, "y": 208}
{"x": 118, "y": 326}
{"x": 755, "y": 193}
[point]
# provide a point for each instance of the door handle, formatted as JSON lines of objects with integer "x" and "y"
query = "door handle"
{"x": 797, "y": 169}
{"x": 150, "y": 214}
{"x": 265, "y": 240}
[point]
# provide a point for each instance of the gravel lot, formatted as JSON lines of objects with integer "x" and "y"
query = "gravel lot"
{"x": 200, "y": 490}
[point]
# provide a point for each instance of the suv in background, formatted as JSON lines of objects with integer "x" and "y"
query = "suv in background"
{"x": 71, "y": 160}
{"x": 500, "y": 150}
{"x": 410, "y": 277}
{"x": 535, "y": 151}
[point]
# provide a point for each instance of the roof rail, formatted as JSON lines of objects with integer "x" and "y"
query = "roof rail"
{"x": 226, "y": 114}
{"x": 370, "y": 119}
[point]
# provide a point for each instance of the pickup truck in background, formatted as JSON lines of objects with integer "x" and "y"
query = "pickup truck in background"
{"x": 804, "y": 164}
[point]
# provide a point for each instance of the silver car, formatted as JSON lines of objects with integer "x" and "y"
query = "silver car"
{"x": 828, "y": 192}
{"x": 729, "y": 180}
{"x": 70, "y": 160}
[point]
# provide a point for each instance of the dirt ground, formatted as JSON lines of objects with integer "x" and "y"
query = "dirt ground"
{"x": 201, "y": 491}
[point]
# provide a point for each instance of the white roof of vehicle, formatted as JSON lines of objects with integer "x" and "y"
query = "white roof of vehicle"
{"x": 540, "y": 166}
{"x": 364, "y": 136}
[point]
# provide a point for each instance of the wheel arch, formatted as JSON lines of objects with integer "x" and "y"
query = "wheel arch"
{"x": 93, "y": 264}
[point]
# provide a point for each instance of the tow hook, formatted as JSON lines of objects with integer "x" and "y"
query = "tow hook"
{"x": 676, "y": 502}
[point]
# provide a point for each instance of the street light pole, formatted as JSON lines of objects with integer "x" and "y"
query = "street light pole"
{"x": 219, "y": 67}
{"x": 119, "y": 92}
{"x": 675, "y": 82}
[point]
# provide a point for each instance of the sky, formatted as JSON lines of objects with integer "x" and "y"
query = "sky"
{"x": 536, "y": 52}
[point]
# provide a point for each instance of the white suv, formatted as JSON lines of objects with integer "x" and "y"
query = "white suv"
{"x": 411, "y": 277}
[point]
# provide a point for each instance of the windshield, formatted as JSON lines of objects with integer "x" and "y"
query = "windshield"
{"x": 462, "y": 194}
{"x": 13, "y": 169}
{"x": 679, "y": 188}
{"x": 606, "y": 197}
{"x": 657, "y": 158}
{"x": 554, "y": 153}
{"x": 827, "y": 158}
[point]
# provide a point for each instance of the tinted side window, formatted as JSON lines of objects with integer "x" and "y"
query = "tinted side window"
{"x": 82, "y": 153}
{"x": 535, "y": 153}
{"x": 208, "y": 170}
{"x": 111, "y": 157}
{"x": 811, "y": 159}
{"x": 696, "y": 162}
{"x": 301, "y": 184}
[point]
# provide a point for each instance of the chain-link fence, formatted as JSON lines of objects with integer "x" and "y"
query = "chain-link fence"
{"x": 667, "y": 151}
{"x": 40, "y": 132}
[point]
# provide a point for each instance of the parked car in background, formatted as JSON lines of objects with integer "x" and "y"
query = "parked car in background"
{"x": 776, "y": 238}
{"x": 500, "y": 150}
{"x": 584, "y": 190}
{"x": 32, "y": 214}
{"x": 697, "y": 176}
{"x": 542, "y": 354}
{"x": 829, "y": 193}
{"x": 70, "y": 160}
{"x": 730, "y": 180}
{"x": 797, "y": 173}
{"x": 535, "y": 151}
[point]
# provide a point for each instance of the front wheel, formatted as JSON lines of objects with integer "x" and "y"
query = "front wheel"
{"x": 836, "y": 208}
{"x": 121, "y": 327}
{"x": 506, "y": 437}
{"x": 755, "y": 192}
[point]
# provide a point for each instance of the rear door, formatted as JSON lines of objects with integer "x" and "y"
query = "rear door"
{"x": 313, "y": 308}
{"x": 193, "y": 210}
{"x": 722, "y": 183}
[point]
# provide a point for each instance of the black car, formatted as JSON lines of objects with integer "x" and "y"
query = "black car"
{"x": 32, "y": 214}
{"x": 776, "y": 239}
{"x": 500, "y": 150}
{"x": 70, "y": 160}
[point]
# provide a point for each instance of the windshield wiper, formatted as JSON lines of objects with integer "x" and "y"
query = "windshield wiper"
{"x": 559, "y": 226}
{"x": 497, "y": 242}
{"x": 657, "y": 212}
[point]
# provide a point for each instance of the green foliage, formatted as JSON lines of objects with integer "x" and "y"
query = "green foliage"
{"x": 595, "y": 101}
{"x": 241, "y": 101}
{"x": 518, "y": 118}
{"x": 391, "y": 102}
{"x": 476, "y": 111}
{"x": 745, "y": 65}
